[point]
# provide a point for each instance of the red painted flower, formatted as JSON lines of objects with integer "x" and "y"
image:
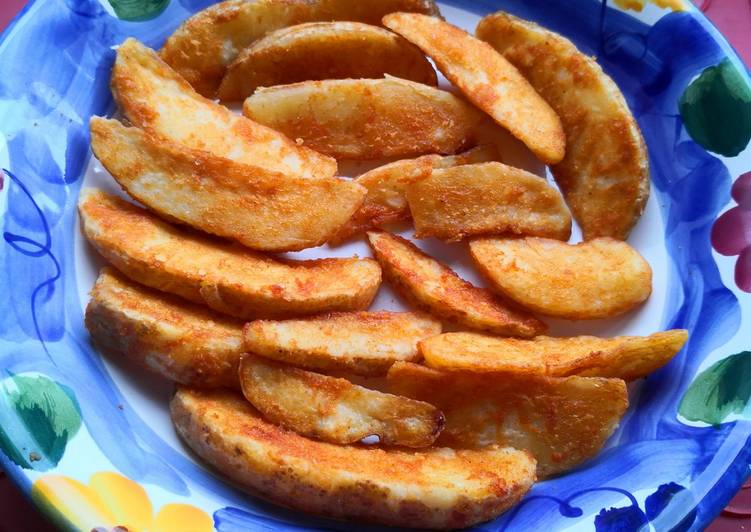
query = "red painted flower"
{"x": 731, "y": 234}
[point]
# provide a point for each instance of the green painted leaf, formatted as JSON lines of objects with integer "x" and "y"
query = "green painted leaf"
{"x": 138, "y": 10}
{"x": 38, "y": 417}
{"x": 722, "y": 389}
{"x": 716, "y": 110}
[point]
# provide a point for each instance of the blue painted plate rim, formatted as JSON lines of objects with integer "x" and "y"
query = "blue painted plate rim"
{"x": 736, "y": 472}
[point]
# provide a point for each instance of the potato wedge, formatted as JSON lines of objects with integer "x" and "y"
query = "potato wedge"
{"x": 225, "y": 277}
{"x": 605, "y": 174}
{"x": 153, "y": 96}
{"x": 324, "y": 50}
{"x": 486, "y": 199}
{"x": 487, "y": 80}
{"x": 435, "y": 488}
{"x": 599, "y": 278}
{"x": 367, "y": 118}
{"x": 624, "y": 357}
{"x": 180, "y": 341}
{"x": 385, "y": 201}
{"x": 483, "y": 153}
{"x": 205, "y": 44}
{"x": 562, "y": 421}
{"x": 364, "y": 343}
{"x": 263, "y": 210}
{"x": 435, "y": 288}
{"x": 335, "y": 410}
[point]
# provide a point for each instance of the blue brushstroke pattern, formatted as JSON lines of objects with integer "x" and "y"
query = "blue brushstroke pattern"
{"x": 35, "y": 249}
{"x": 623, "y": 519}
{"x": 656, "y": 503}
{"x": 44, "y": 113}
{"x": 237, "y": 520}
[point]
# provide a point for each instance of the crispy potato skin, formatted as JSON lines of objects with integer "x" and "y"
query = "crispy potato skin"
{"x": 561, "y": 421}
{"x": 324, "y": 50}
{"x": 153, "y": 96}
{"x": 226, "y": 278}
{"x": 182, "y": 342}
{"x": 385, "y": 201}
{"x": 437, "y": 488}
{"x": 263, "y": 210}
{"x": 364, "y": 343}
{"x": 624, "y": 357}
{"x": 599, "y": 278}
{"x": 435, "y": 288}
{"x": 488, "y": 80}
{"x": 367, "y": 118}
{"x": 486, "y": 199}
{"x": 206, "y": 43}
{"x": 333, "y": 409}
{"x": 605, "y": 174}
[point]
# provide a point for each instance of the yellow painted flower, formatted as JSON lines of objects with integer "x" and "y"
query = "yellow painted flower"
{"x": 111, "y": 500}
{"x": 638, "y": 5}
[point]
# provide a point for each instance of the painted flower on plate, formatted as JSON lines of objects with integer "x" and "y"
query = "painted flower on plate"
{"x": 38, "y": 418}
{"x": 731, "y": 234}
{"x": 111, "y": 501}
{"x": 138, "y": 10}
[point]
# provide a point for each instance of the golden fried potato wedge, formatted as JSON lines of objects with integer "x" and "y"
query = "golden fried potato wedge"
{"x": 385, "y": 201}
{"x": 605, "y": 174}
{"x": 324, "y": 50}
{"x": 151, "y": 95}
{"x": 599, "y": 278}
{"x": 333, "y": 409}
{"x": 435, "y": 288}
{"x": 183, "y": 342}
{"x": 561, "y": 421}
{"x": 624, "y": 357}
{"x": 364, "y": 343}
{"x": 260, "y": 209}
{"x": 435, "y": 488}
{"x": 204, "y": 46}
{"x": 225, "y": 277}
{"x": 367, "y": 118}
{"x": 486, "y": 199}
{"x": 487, "y": 80}
{"x": 483, "y": 153}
